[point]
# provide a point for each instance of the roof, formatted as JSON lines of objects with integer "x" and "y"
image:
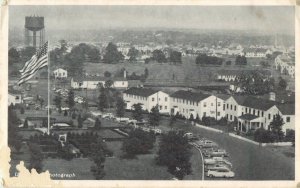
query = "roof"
{"x": 189, "y": 95}
{"x": 59, "y": 69}
{"x": 239, "y": 72}
{"x": 248, "y": 117}
{"x": 98, "y": 78}
{"x": 287, "y": 109}
{"x": 144, "y": 92}
{"x": 239, "y": 99}
{"x": 223, "y": 96}
{"x": 258, "y": 103}
{"x": 255, "y": 50}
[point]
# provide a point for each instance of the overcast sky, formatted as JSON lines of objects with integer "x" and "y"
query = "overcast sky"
{"x": 274, "y": 19}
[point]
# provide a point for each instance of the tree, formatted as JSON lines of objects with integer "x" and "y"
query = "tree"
{"x": 97, "y": 124}
{"x": 197, "y": 118}
{"x": 137, "y": 112}
{"x": 22, "y": 111}
{"x": 70, "y": 100}
{"x": 107, "y": 74}
{"x": 172, "y": 121}
{"x": 120, "y": 107}
{"x": 138, "y": 142}
{"x": 112, "y": 55}
{"x": 154, "y": 116}
{"x": 13, "y": 56}
{"x": 276, "y": 127}
{"x": 79, "y": 121}
{"x": 228, "y": 62}
{"x": 203, "y": 59}
{"x": 191, "y": 117}
{"x": 57, "y": 101}
{"x": 264, "y": 64}
{"x": 240, "y": 60}
{"x": 103, "y": 102}
{"x": 146, "y": 73}
{"x": 159, "y": 56}
{"x": 14, "y": 138}
{"x": 175, "y": 57}
{"x": 282, "y": 83}
{"x": 132, "y": 53}
{"x": 36, "y": 157}
{"x": 65, "y": 113}
{"x": 290, "y": 136}
{"x": 97, "y": 155}
{"x": 108, "y": 83}
{"x": 175, "y": 153}
{"x": 25, "y": 125}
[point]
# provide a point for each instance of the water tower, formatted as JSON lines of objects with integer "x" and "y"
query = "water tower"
{"x": 34, "y": 31}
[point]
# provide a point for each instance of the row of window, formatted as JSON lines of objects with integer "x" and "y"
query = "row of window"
{"x": 193, "y": 103}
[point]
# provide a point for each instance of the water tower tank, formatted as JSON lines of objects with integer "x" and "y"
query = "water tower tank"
{"x": 34, "y": 30}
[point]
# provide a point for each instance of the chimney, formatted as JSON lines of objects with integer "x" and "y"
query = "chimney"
{"x": 272, "y": 96}
{"x": 124, "y": 74}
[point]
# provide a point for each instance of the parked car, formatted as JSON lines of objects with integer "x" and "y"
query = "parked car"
{"x": 121, "y": 119}
{"x": 157, "y": 131}
{"x": 190, "y": 136}
{"x": 217, "y": 160}
{"x": 216, "y": 153}
{"x": 108, "y": 116}
{"x": 225, "y": 173}
{"x": 206, "y": 144}
{"x": 216, "y": 167}
{"x": 132, "y": 121}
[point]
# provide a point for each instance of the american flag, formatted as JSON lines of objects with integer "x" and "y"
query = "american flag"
{"x": 38, "y": 61}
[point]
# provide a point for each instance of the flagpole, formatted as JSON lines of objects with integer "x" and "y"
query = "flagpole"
{"x": 48, "y": 130}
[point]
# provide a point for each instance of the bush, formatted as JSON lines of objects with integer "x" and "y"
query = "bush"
{"x": 222, "y": 121}
{"x": 290, "y": 136}
{"x": 264, "y": 136}
{"x": 22, "y": 110}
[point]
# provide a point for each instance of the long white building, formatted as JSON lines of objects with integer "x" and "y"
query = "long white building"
{"x": 93, "y": 82}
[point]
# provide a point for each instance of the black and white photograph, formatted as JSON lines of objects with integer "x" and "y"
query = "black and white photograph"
{"x": 152, "y": 92}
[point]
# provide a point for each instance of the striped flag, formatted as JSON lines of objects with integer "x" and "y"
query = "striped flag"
{"x": 38, "y": 61}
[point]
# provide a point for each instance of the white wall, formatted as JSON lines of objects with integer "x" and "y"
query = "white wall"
{"x": 14, "y": 99}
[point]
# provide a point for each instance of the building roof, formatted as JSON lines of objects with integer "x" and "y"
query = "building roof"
{"x": 144, "y": 92}
{"x": 189, "y": 95}
{"x": 98, "y": 78}
{"x": 248, "y": 117}
{"x": 255, "y": 50}
{"x": 258, "y": 103}
{"x": 287, "y": 109}
{"x": 59, "y": 69}
{"x": 239, "y": 99}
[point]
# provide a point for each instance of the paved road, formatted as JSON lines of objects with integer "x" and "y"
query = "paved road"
{"x": 251, "y": 162}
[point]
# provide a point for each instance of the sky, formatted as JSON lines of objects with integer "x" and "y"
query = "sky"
{"x": 268, "y": 19}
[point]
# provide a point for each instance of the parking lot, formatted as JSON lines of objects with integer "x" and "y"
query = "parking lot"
{"x": 250, "y": 162}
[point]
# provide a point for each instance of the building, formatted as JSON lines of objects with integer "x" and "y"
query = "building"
{"x": 148, "y": 98}
{"x": 256, "y": 52}
{"x": 187, "y": 103}
{"x": 285, "y": 65}
{"x": 60, "y": 73}
{"x": 232, "y": 75}
{"x": 14, "y": 97}
{"x": 252, "y": 113}
{"x": 93, "y": 82}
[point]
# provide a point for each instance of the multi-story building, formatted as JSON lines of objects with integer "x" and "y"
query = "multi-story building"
{"x": 148, "y": 98}
{"x": 60, "y": 73}
{"x": 285, "y": 65}
{"x": 197, "y": 104}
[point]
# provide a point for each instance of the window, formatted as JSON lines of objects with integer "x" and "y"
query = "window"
{"x": 183, "y": 110}
{"x": 204, "y": 104}
{"x": 17, "y": 97}
{"x": 190, "y": 102}
{"x": 262, "y": 113}
{"x": 166, "y": 107}
{"x": 204, "y": 113}
{"x": 230, "y": 107}
{"x": 223, "y": 106}
{"x": 218, "y": 113}
{"x": 269, "y": 116}
{"x": 193, "y": 103}
{"x": 160, "y": 107}
{"x": 230, "y": 117}
{"x": 227, "y": 106}
{"x": 258, "y": 112}
{"x": 253, "y": 112}
{"x": 234, "y": 107}
{"x": 242, "y": 113}
{"x": 288, "y": 119}
{"x": 219, "y": 104}
{"x": 166, "y": 99}
{"x": 153, "y": 99}
{"x": 262, "y": 124}
{"x": 246, "y": 110}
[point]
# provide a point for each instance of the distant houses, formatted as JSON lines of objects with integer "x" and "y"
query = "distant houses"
{"x": 232, "y": 75}
{"x": 256, "y": 52}
{"x": 285, "y": 65}
{"x": 94, "y": 82}
{"x": 60, "y": 73}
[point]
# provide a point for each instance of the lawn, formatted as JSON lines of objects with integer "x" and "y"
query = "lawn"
{"x": 79, "y": 166}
